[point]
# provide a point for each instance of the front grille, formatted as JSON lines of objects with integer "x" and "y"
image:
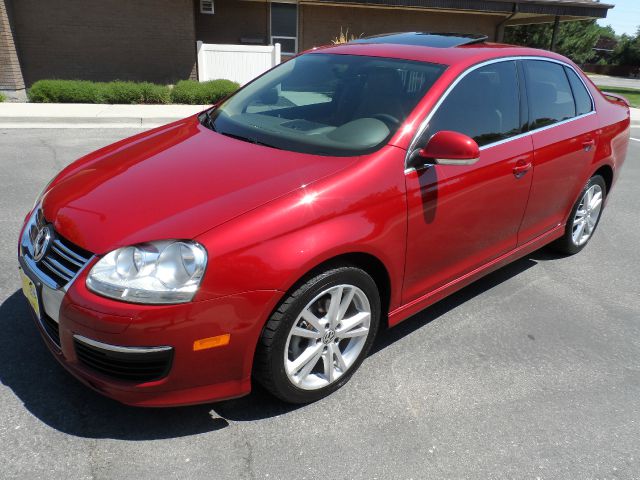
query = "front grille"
{"x": 51, "y": 327}
{"x": 63, "y": 259}
{"x": 136, "y": 365}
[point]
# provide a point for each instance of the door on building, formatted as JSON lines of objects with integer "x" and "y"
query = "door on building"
{"x": 284, "y": 26}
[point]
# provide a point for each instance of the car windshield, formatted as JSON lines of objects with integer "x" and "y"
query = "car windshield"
{"x": 324, "y": 104}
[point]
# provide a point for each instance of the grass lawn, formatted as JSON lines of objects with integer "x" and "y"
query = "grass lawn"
{"x": 630, "y": 94}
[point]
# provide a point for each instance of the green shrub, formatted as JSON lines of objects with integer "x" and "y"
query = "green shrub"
{"x": 153, "y": 93}
{"x": 119, "y": 92}
{"x": 2, "y": 98}
{"x": 82, "y": 91}
{"x": 64, "y": 91}
{"x": 133, "y": 93}
{"x": 196, "y": 93}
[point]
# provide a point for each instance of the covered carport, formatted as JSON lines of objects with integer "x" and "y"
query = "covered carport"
{"x": 490, "y": 15}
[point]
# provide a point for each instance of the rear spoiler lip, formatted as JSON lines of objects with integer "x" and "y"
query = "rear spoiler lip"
{"x": 617, "y": 97}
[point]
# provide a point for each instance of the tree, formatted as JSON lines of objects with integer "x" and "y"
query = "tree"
{"x": 575, "y": 40}
{"x": 627, "y": 52}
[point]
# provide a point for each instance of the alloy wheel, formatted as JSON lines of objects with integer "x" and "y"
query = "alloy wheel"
{"x": 327, "y": 337}
{"x": 587, "y": 214}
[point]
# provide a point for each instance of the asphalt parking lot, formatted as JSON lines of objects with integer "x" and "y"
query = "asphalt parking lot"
{"x": 532, "y": 372}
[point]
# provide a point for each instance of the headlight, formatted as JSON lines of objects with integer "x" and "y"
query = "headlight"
{"x": 168, "y": 271}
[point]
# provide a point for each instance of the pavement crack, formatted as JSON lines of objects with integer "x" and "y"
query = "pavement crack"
{"x": 248, "y": 458}
{"x": 56, "y": 161}
{"x": 93, "y": 446}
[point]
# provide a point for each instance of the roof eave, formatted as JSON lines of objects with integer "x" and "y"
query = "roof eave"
{"x": 538, "y": 7}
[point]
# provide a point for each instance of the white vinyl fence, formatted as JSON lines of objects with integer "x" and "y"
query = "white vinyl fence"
{"x": 240, "y": 63}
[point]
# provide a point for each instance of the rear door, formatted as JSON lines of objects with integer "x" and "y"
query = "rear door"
{"x": 563, "y": 129}
{"x": 461, "y": 217}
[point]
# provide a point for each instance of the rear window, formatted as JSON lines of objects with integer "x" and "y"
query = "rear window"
{"x": 550, "y": 97}
{"x": 582, "y": 97}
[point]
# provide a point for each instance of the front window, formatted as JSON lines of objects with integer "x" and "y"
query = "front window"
{"x": 325, "y": 104}
{"x": 485, "y": 106}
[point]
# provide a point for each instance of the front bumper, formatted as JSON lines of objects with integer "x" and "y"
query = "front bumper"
{"x": 79, "y": 327}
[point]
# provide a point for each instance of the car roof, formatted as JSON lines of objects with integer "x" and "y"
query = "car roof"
{"x": 441, "y": 48}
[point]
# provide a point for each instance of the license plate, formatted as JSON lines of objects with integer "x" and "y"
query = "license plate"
{"x": 29, "y": 290}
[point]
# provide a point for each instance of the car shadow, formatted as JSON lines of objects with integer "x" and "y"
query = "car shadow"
{"x": 58, "y": 400}
{"x": 420, "y": 319}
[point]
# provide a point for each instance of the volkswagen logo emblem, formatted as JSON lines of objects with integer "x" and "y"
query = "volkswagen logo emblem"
{"x": 328, "y": 336}
{"x": 41, "y": 243}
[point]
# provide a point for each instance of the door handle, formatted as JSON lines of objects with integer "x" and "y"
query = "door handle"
{"x": 588, "y": 145}
{"x": 521, "y": 169}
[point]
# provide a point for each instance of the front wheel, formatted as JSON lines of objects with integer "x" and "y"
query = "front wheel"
{"x": 584, "y": 217}
{"x": 319, "y": 335}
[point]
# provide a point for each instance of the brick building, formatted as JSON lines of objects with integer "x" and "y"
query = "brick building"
{"x": 155, "y": 40}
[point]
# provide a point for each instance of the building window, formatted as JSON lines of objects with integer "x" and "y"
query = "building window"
{"x": 206, "y": 7}
{"x": 284, "y": 27}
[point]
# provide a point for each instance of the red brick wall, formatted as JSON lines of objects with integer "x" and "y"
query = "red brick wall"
{"x": 233, "y": 20}
{"x": 10, "y": 72}
{"x": 142, "y": 40}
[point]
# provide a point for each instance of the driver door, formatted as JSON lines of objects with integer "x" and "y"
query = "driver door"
{"x": 462, "y": 217}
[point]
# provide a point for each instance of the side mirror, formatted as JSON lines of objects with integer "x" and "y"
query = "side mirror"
{"x": 270, "y": 97}
{"x": 447, "y": 148}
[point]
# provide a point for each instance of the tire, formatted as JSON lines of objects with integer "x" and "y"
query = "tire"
{"x": 300, "y": 329}
{"x": 573, "y": 241}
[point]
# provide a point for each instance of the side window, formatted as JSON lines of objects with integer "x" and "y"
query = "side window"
{"x": 485, "y": 105}
{"x": 580, "y": 94}
{"x": 550, "y": 97}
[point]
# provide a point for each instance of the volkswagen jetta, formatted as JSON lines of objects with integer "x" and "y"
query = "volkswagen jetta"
{"x": 270, "y": 237}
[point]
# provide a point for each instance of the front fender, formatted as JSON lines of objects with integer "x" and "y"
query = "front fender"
{"x": 361, "y": 209}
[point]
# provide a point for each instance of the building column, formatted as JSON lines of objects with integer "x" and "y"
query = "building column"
{"x": 11, "y": 79}
{"x": 554, "y": 35}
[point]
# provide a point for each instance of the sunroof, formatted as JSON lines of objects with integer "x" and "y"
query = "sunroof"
{"x": 423, "y": 39}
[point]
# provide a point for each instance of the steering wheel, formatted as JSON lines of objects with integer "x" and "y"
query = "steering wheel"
{"x": 390, "y": 120}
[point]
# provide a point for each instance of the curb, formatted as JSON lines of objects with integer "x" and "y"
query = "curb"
{"x": 82, "y": 122}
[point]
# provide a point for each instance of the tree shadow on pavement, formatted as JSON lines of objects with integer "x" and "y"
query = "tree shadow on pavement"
{"x": 60, "y": 401}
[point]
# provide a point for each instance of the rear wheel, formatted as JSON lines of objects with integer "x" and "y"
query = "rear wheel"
{"x": 319, "y": 335}
{"x": 584, "y": 217}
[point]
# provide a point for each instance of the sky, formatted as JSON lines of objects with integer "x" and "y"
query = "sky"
{"x": 624, "y": 17}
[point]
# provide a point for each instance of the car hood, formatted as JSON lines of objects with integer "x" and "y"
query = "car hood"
{"x": 177, "y": 181}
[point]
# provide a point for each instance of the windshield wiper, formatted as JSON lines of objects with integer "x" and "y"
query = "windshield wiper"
{"x": 255, "y": 141}
{"x": 207, "y": 120}
{"x": 210, "y": 123}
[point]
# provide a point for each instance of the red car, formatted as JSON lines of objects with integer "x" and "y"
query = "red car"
{"x": 269, "y": 238}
